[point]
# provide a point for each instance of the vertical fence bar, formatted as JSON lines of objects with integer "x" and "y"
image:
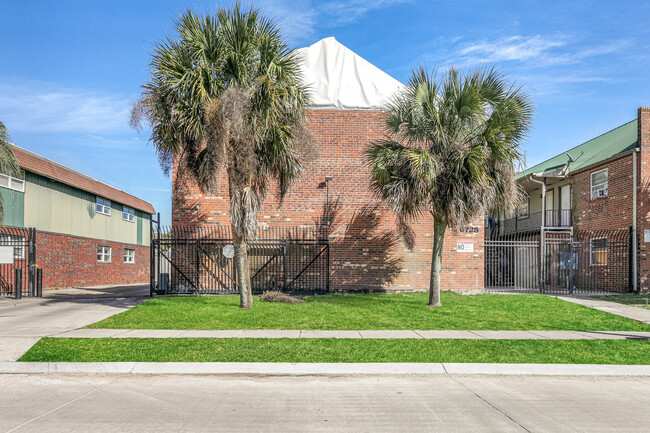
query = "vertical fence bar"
{"x": 39, "y": 282}
{"x": 632, "y": 267}
{"x": 31, "y": 260}
{"x": 18, "y": 286}
{"x": 152, "y": 265}
{"x": 571, "y": 265}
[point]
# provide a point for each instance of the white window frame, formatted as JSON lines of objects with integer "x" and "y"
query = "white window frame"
{"x": 599, "y": 191}
{"x": 13, "y": 182}
{"x": 129, "y": 256}
{"x": 102, "y": 206}
{"x": 19, "y": 243}
{"x": 597, "y": 250}
{"x": 527, "y": 214}
{"x": 128, "y": 214}
{"x": 104, "y": 254}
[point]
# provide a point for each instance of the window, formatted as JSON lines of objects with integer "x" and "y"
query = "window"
{"x": 598, "y": 252}
{"x": 128, "y": 214}
{"x": 104, "y": 254}
{"x": 129, "y": 255}
{"x": 103, "y": 206}
{"x": 522, "y": 210}
{"x": 12, "y": 182}
{"x": 599, "y": 184}
{"x": 18, "y": 242}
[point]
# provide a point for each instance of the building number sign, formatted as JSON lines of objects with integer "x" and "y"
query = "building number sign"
{"x": 469, "y": 229}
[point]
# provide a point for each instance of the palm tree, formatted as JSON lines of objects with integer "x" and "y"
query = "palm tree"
{"x": 227, "y": 95}
{"x": 8, "y": 163}
{"x": 451, "y": 150}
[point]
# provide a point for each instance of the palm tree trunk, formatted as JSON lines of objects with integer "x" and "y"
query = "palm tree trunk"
{"x": 243, "y": 271}
{"x": 439, "y": 227}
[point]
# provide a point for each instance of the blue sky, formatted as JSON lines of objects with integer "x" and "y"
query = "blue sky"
{"x": 70, "y": 70}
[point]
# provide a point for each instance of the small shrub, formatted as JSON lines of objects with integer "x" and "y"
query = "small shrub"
{"x": 277, "y": 296}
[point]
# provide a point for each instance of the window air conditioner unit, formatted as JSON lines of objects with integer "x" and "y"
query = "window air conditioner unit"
{"x": 599, "y": 193}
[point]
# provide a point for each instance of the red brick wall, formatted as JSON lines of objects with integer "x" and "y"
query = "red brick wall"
{"x": 607, "y": 213}
{"x": 71, "y": 261}
{"x": 366, "y": 252}
{"x": 643, "y": 196}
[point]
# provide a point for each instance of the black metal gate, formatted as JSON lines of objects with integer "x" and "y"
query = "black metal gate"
{"x": 199, "y": 260}
{"x": 19, "y": 275}
{"x": 560, "y": 261}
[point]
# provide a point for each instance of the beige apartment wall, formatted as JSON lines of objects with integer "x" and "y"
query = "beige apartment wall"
{"x": 59, "y": 208}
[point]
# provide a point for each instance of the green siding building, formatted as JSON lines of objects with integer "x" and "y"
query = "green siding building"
{"x": 88, "y": 233}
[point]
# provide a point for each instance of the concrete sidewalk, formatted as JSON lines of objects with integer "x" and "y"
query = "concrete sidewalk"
{"x": 361, "y": 334}
{"x": 319, "y": 369}
{"x": 628, "y": 311}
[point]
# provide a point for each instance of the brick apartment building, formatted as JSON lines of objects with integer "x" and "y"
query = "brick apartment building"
{"x": 600, "y": 190}
{"x": 86, "y": 232}
{"x": 366, "y": 252}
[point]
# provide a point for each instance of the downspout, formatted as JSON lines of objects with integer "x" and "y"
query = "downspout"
{"x": 635, "y": 253}
{"x": 542, "y": 247}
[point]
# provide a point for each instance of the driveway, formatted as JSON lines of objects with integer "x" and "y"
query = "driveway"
{"x": 23, "y": 322}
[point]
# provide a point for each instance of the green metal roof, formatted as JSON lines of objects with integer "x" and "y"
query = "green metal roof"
{"x": 601, "y": 148}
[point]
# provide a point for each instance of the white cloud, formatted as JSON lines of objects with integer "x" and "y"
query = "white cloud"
{"x": 516, "y": 48}
{"x": 45, "y": 107}
{"x": 297, "y": 21}
{"x": 531, "y": 51}
{"x": 345, "y": 12}
{"x": 300, "y": 20}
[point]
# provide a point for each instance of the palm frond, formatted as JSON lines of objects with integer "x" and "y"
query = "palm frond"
{"x": 453, "y": 144}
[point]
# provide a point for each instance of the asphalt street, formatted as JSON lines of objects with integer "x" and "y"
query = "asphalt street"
{"x": 80, "y": 403}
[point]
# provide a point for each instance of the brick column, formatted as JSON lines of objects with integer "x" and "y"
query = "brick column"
{"x": 643, "y": 196}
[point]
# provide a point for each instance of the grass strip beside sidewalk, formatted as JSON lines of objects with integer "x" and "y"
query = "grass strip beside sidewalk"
{"x": 339, "y": 350}
{"x": 371, "y": 311}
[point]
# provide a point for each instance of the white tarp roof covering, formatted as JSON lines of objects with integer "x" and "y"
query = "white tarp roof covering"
{"x": 338, "y": 78}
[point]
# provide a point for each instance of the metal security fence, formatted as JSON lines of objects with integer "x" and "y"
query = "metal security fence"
{"x": 512, "y": 263}
{"x": 560, "y": 261}
{"x": 601, "y": 261}
{"x": 19, "y": 275}
{"x": 200, "y": 260}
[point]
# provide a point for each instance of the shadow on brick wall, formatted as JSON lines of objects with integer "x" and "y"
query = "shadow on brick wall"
{"x": 364, "y": 255}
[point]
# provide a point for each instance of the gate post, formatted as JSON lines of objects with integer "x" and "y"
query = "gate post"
{"x": 39, "y": 283}
{"x": 18, "y": 283}
{"x": 571, "y": 265}
{"x": 158, "y": 258}
{"x": 542, "y": 258}
{"x": 31, "y": 253}
{"x": 197, "y": 247}
{"x": 284, "y": 265}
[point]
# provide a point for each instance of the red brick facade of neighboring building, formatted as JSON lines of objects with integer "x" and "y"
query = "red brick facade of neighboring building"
{"x": 609, "y": 216}
{"x": 643, "y": 196}
{"x": 70, "y": 261}
{"x": 616, "y": 211}
{"x": 607, "y": 213}
{"x": 366, "y": 252}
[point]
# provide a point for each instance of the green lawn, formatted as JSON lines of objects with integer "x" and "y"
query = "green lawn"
{"x": 371, "y": 311}
{"x": 642, "y": 301}
{"x": 339, "y": 350}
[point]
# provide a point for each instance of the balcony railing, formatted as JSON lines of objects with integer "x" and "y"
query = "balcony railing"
{"x": 532, "y": 222}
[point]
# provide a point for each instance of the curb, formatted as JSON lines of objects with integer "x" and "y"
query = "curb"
{"x": 355, "y": 334}
{"x": 319, "y": 369}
